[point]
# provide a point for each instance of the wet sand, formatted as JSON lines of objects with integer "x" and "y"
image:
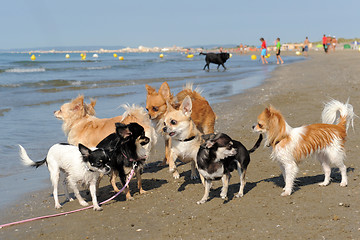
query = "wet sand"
{"x": 169, "y": 209}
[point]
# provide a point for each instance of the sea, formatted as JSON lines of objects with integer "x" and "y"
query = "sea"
{"x": 31, "y": 90}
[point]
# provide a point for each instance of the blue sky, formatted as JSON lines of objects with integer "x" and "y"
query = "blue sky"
{"x": 50, "y": 23}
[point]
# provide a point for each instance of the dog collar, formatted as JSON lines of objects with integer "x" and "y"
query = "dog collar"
{"x": 188, "y": 139}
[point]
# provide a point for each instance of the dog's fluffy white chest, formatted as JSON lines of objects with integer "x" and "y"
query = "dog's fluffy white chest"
{"x": 186, "y": 151}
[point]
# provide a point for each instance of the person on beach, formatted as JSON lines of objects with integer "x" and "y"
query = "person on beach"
{"x": 328, "y": 43}
{"x": 263, "y": 51}
{"x": 306, "y": 46}
{"x": 334, "y": 42}
{"x": 278, "y": 46}
{"x": 324, "y": 40}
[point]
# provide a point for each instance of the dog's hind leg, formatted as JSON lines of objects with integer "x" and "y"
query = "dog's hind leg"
{"x": 207, "y": 190}
{"x": 242, "y": 174}
{"x": 337, "y": 157}
{"x": 225, "y": 180}
{"x": 67, "y": 195}
{"x": 323, "y": 159}
{"x": 114, "y": 173}
{"x": 54, "y": 176}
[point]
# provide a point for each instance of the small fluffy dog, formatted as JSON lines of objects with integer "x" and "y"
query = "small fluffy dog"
{"x": 202, "y": 113}
{"x": 80, "y": 165}
{"x": 81, "y": 126}
{"x": 185, "y": 137}
{"x": 126, "y": 147}
{"x": 218, "y": 157}
{"x": 291, "y": 145}
{"x": 216, "y": 58}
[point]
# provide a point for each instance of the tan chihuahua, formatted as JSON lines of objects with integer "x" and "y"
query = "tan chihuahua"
{"x": 202, "y": 113}
{"x": 185, "y": 137}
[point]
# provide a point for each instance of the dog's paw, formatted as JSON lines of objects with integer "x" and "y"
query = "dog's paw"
{"x": 194, "y": 177}
{"x": 176, "y": 175}
{"x": 130, "y": 199}
{"x": 97, "y": 208}
{"x": 58, "y": 206}
{"x": 83, "y": 203}
{"x": 343, "y": 184}
{"x": 142, "y": 191}
{"x": 239, "y": 195}
{"x": 202, "y": 201}
{"x": 286, "y": 193}
{"x": 324, "y": 184}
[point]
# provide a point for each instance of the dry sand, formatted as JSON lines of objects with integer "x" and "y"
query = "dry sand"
{"x": 169, "y": 209}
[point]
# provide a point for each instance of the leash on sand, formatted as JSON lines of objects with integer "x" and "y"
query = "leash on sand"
{"x": 74, "y": 211}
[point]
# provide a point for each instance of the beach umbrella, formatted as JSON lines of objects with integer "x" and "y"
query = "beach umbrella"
{"x": 347, "y": 46}
{"x": 319, "y": 46}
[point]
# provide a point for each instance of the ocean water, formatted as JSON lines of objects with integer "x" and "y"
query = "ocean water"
{"x": 30, "y": 92}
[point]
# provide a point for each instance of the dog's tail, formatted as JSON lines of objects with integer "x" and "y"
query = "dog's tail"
{"x": 201, "y": 53}
{"x": 338, "y": 113}
{"x": 257, "y": 144}
{"x": 27, "y": 161}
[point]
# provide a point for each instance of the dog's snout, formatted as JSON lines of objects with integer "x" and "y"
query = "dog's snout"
{"x": 253, "y": 126}
{"x": 165, "y": 129}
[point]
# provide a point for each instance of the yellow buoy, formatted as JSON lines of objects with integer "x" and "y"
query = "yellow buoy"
{"x": 253, "y": 57}
{"x": 115, "y": 55}
{"x": 298, "y": 53}
{"x": 121, "y": 58}
{"x": 190, "y": 56}
{"x": 67, "y": 55}
{"x": 161, "y": 55}
{"x": 33, "y": 57}
{"x": 268, "y": 55}
{"x": 230, "y": 55}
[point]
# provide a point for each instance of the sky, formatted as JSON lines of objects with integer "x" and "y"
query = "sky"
{"x": 164, "y": 23}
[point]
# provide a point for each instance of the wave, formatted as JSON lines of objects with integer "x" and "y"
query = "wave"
{"x": 24, "y": 70}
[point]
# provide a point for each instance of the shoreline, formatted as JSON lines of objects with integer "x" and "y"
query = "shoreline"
{"x": 169, "y": 210}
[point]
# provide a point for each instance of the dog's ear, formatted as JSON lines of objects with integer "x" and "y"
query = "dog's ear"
{"x": 210, "y": 143}
{"x": 169, "y": 107}
{"x": 150, "y": 90}
{"x": 122, "y": 130}
{"x": 136, "y": 128}
{"x": 207, "y": 136}
{"x": 85, "y": 152}
{"x": 186, "y": 106}
{"x": 164, "y": 90}
{"x": 78, "y": 103}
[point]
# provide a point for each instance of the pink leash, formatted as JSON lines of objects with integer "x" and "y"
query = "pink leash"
{"x": 74, "y": 211}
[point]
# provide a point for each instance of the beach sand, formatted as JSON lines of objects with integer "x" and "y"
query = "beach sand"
{"x": 169, "y": 209}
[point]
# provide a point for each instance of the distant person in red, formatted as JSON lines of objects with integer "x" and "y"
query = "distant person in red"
{"x": 324, "y": 41}
{"x": 263, "y": 51}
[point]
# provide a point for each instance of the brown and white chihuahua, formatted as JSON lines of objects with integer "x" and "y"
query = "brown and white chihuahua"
{"x": 202, "y": 113}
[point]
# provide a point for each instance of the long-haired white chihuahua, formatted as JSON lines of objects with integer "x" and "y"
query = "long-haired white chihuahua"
{"x": 290, "y": 145}
{"x": 80, "y": 165}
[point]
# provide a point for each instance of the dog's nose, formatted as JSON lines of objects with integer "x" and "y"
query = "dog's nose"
{"x": 165, "y": 129}
{"x": 253, "y": 127}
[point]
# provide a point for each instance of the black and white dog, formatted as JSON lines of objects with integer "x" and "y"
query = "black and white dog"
{"x": 216, "y": 58}
{"x": 218, "y": 157}
{"x": 80, "y": 165}
{"x": 126, "y": 147}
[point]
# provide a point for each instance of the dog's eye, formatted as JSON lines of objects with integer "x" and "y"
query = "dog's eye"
{"x": 173, "y": 122}
{"x": 155, "y": 109}
{"x": 260, "y": 125}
